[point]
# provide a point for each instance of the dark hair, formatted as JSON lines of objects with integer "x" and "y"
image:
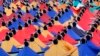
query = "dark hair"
{"x": 20, "y": 13}
{"x": 13, "y": 11}
{"x": 26, "y": 43}
{"x": 29, "y": 21}
{"x": 32, "y": 38}
{"x": 89, "y": 33}
{"x": 19, "y": 16}
{"x": 36, "y": 35}
{"x": 27, "y": 11}
{"x": 63, "y": 12}
{"x": 10, "y": 34}
{"x": 37, "y": 16}
{"x": 88, "y": 37}
{"x": 41, "y": 14}
{"x": 45, "y": 27}
{"x": 49, "y": 9}
{"x": 52, "y": 21}
{"x": 14, "y": 31}
{"x": 35, "y": 20}
{"x": 59, "y": 15}
{"x": 39, "y": 31}
{"x": 97, "y": 22}
{"x": 9, "y": 23}
{"x": 83, "y": 10}
{"x": 50, "y": 24}
{"x": 64, "y": 30}
{"x": 83, "y": 41}
{"x": 1, "y": 15}
{"x": 3, "y": 23}
{"x": 66, "y": 9}
{"x": 44, "y": 11}
{"x": 92, "y": 29}
{"x": 78, "y": 18}
{"x": 69, "y": 26}
{"x": 7, "y": 38}
{"x": 14, "y": 19}
{"x": 4, "y": 12}
{"x": 80, "y": 14}
{"x": 59, "y": 37}
{"x": 55, "y": 41}
{"x": 63, "y": 34}
{"x": 74, "y": 24}
{"x": 33, "y": 7}
{"x": 19, "y": 27}
{"x": 95, "y": 25}
{"x": 26, "y": 24}
{"x": 56, "y": 18}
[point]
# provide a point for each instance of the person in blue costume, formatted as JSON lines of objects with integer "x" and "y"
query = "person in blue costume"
{"x": 80, "y": 32}
{"x": 65, "y": 18}
{"x": 2, "y": 52}
{"x": 50, "y": 24}
{"x": 84, "y": 50}
{"x": 33, "y": 11}
{"x": 1, "y": 14}
{"x": 92, "y": 46}
{"x": 36, "y": 21}
{"x": 15, "y": 23}
{"x": 20, "y": 27}
{"x": 51, "y": 12}
{"x": 13, "y": 31}
{"x": 26, "y": 24}
{"x": 19, "y": 12}
{"x": 26, "y": 51}
{"x": 72, "y": 33}
{"x": 1, "y": 8}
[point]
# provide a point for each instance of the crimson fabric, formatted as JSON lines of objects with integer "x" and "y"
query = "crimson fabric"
{"x": 45, "y": 18}
{"x": 96, "y": 38}
{"x": 28, "y": 31}
{"x": 86, "y": 20}
{"x": 43, "y": 6}
{"x": 46, "y": 39}
{"x": 55, "y": 28}
{"x": 3, "y": 34}
{"x": 69, "y": 39}
{"x": 20, "y": 36}
{"x": 26, "y": 16}
{"x": 75, "y": 11}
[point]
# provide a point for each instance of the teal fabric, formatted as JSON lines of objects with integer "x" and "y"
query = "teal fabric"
{"x": 75, "y": 3}
{"x": 94, "y": 7}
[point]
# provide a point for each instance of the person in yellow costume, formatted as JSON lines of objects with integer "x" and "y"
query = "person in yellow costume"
{"x": 97, "y": 2}
{"x": 73, "y": 17}
{"x": 13, "y": 40}
{"x": 6, "y": 44}
{"x": 98, "y": 25}
{"x": 63, "y": 6}
{"x": 54, "y": 4}
{"x": 33, "y": 45}
{"x": 14, "y": 4}
{"x": 38, "y": 41}
{"x": 56, "y": 22}
{"x": 3, "y": 26}
{"x": 34, "y": 3}
{"x": 45, "y": 32}
{"x": 70, "y": 49}
{"x": 61, "y": 48}
{"x": 9, "y": 42}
